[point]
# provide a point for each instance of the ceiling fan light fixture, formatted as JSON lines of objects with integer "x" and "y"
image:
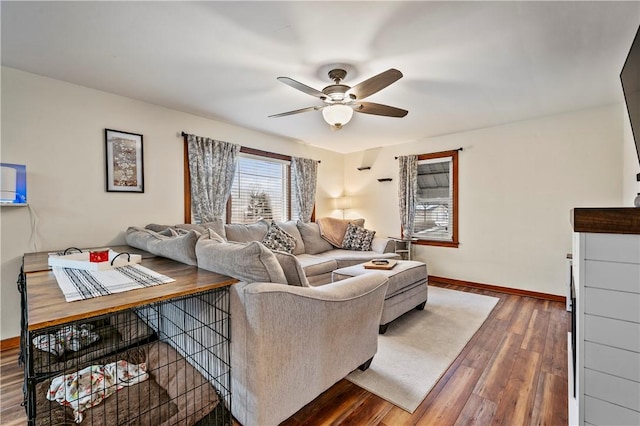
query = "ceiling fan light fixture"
{"x": 337, "y": 115}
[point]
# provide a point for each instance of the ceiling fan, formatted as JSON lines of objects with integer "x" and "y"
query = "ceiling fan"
{"x": 340, "y": 100}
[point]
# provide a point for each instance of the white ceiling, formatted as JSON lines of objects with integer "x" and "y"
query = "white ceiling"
{"x": 466, "y": 65}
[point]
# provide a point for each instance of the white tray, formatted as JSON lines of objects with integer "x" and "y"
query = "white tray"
{"x": 81, "y": 261}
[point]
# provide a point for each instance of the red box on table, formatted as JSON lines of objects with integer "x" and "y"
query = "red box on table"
{"x": 99, "y": 256}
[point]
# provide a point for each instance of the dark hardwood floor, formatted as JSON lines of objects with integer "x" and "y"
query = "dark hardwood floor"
{"x": 512, "y": 372}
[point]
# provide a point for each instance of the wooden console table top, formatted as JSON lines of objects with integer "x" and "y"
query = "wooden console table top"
{"x": 623, "y": 220}
{"x": 47, "y": 306}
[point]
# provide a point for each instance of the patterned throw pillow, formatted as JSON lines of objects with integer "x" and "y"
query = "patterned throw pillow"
{"x": 278, "y": 239}
{"x": 357, "y": 238}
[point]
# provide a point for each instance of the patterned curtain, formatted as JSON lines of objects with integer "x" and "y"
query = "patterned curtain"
{"x": 407, "y": 192}
{"x": 304, "y": 175}
{"x": 212, "y": 165}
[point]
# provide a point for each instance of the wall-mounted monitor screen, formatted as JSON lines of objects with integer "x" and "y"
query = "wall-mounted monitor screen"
{"x": 630, "y": 78}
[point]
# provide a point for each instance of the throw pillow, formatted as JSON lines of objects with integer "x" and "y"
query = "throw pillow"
{"x": 212, "y": 235}
{"x": 181, "y": 248}
{"x": 139, "y": 237}
{"x": 245, "y": 233}
{"x": 357, "y": 238}
{"x": 292, "y": 269}
{"x": 290, "y": 228}
{"x": 248, "y": 262}
{"x": 333, "y": 230}
{"x": 277, "y": 239}
{"x": 313, "y": 241}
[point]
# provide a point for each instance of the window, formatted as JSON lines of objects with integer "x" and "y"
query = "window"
{"x": 436, "y": 220}
{"x": 261, "y": 188}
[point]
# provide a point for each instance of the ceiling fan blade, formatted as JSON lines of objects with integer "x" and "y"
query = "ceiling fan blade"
{"x": 297, "y": 111}
{"x": 379, "y": 109}
{"x": 374, "y": 84}
{"x": 302, "y": 87}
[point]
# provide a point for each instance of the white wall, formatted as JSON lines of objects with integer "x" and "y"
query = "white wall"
{"x": 631, "y": 166}
{"x": 517, "y": 184}
{"x": 523, "y": 177}
{"x": 57, "y": 130}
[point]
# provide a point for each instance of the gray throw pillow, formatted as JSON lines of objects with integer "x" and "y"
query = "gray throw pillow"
{"x": 217, "y": 225}
{"x": 157, "y": 228}
{"x": 277, "y": 239}
{"x": 313, "y": 241}
{"x": 248, "y": 262}
{"x": 182, "y": 228}
{"x": 357, "y": 238}
{"x": 213, "y": 235}
{"x": 292, "y": 269}
{"x": 181, "y": 248}
{"x": 244, "y": 233}
{"x": 139, "y": 237}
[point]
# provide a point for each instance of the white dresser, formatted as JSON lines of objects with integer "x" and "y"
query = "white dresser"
{"x": 606, "y": 272}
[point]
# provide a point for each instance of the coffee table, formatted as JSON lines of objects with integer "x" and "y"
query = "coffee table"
{"x": 408, "y": 287}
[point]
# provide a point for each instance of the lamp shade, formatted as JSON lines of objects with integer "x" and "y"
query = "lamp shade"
{"x": 343, "y": 203}
{"x": 337, "y": 115}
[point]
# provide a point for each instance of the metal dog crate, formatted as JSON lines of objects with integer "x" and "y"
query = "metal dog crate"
{"x": 163, "y": 362}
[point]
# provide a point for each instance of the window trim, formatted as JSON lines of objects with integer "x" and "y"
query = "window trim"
{"x": 454, "y": 238}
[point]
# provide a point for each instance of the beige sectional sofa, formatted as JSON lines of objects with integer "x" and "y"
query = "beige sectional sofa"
{"x": 289, "y": 343}
{"x": 317, "y": 256}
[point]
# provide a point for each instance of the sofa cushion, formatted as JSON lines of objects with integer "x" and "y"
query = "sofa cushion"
{"x": 316, "y": 265}
{"x": 404, "y": 275}
{"x": 353, "y": 257}
{"x": 177, "y": 247}
{"x": 245, "y": 233}
{"x": 169, "y": 232}
{"x": 212, "y": 235}
{"x": 292, "y": 269}
{"x": 249, "y": 262}
{"x": 357, "y": 238}
{"x": 313, "y": 241}
{"x": 181, "y": 247}
{"x": 333, "y": 230}
{"x": 217, "y": 225}
{"x": 277, "y": 239}
{"x": 291, "y": 229}
{"x": 156, "y": 227}
{"x": 138, "y": 237}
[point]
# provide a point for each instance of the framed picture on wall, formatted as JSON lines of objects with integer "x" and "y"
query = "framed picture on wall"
{"x": 125, "y": 170}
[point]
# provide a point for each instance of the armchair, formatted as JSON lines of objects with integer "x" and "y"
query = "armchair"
{"x": 289, "y": 343}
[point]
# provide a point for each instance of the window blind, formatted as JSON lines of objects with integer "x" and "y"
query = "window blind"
{"x": 434, "y": 204}
{"x": 261, "y": 190}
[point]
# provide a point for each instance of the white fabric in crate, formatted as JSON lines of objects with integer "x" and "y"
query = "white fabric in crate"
{"x": 90, "y": 386}
{"x": 78, "y": 284}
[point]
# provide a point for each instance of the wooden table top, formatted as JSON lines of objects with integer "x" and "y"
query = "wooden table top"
{"x": 48, "y": 307}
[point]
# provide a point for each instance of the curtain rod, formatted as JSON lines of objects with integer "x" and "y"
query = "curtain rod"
{"x": 458, "y": 149}
{"x": 187, "y": 134}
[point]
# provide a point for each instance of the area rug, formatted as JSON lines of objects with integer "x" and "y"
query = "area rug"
{"x": 418, "y": 347}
